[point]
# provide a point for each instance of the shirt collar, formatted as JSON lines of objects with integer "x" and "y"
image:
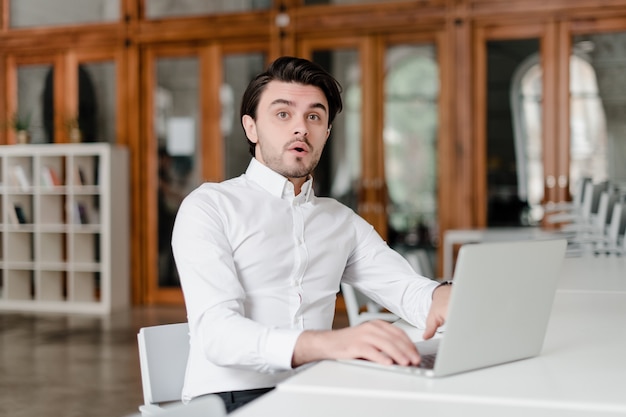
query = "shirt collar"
{"x": 276, "y": 184}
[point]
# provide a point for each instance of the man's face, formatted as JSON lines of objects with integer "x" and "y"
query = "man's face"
{"x": 291, "y": 128}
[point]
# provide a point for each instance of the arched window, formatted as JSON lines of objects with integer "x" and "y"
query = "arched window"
{"x": 587, "y": 126}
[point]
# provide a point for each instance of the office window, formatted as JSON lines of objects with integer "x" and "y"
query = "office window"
{"x": 156, "y": 9}
{"x": 33, "y": 13}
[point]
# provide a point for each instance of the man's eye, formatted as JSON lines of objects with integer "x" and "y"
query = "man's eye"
{"x": 314, "y": 117}
{"x": 282, "y": 115}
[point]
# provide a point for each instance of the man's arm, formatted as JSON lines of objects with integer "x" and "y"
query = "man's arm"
{"x": 377, "y": 341}
{"x": 438, "y": 310}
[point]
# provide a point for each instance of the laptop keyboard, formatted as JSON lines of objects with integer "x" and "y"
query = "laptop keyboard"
{"x": 428, "y": 361}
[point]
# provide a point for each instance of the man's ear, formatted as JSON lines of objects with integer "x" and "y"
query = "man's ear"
{"x": 249, "y": 125}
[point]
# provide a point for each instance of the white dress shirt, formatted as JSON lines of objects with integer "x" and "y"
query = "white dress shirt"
{"x": 258, "y": 265}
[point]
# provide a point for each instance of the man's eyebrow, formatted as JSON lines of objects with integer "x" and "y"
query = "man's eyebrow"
{"x": 291, "y": 103}
{"x": 318, "y": 106}
{"x": 282, "y": 101}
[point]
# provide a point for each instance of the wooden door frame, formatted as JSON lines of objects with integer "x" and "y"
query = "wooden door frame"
{"x": 211, "y": 157}
{"x": 372, "y": 47}
{"x": 546, "y": 33}
{"x": 149, "y": 55}
{"x": 577, "y": 24}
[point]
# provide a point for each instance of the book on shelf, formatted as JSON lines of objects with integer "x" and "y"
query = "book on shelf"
{"x": 19, "y": 178}
{"x": 79, "y": 176}
{"x": 82, "y": 213}
{"x": 18, "y": 215}
{"x": 49, "y": 177}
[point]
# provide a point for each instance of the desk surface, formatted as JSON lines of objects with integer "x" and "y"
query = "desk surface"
{"x": 562, "y": 381}
{"x": 280, "y": 403}
{"x": 594, "y": 274}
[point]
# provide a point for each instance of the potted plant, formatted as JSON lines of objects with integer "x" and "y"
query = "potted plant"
{"x": 73, "y": 130}
{"x": 21, "y": 126}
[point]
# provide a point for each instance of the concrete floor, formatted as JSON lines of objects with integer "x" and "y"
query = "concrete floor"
{"x": 74, "y": 365}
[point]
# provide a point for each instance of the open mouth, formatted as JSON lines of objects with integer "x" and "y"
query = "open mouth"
{"x": 299, "y": 147}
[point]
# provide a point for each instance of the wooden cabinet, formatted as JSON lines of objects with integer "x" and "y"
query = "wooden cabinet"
{"x": 64, "y": 236}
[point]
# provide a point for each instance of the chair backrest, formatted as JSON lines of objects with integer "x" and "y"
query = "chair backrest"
{"x": 361, "y": 308}
{"x": 579, "y": 191}
{"x": 601, "y": 218}
{"x": 615, "y": 226}
{"x": 587, "y": 203}
{"x": 163, "y": 353}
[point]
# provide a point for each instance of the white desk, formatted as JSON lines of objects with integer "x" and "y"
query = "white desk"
{"x": 590, "y": 273}
{"x": 581, "y": 371}
{"x": 315, "y": 404}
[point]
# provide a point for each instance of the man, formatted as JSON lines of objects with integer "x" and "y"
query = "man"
{"x": 260, "y": 257}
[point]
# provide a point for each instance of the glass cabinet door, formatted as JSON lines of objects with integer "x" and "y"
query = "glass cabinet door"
{"x": 97, "y": 103}
{"x": 176, "y": 127}
{"x": 515, "y": 159}
{"x": 35, "y": 112}
{"x": 389, "y": 178}
{"x": 597, "y": 108}
{"x": 238, "y": 71}
{"x": 77, "y": 104}
{"x": 191, "y": 150}
{"x": 410, "y": 133}
{"x": 338, "y": 173}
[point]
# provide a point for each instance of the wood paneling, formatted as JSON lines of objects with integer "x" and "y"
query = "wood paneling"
{"x": 459, "y": 28}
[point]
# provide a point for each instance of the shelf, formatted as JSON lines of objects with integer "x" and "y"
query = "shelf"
{"x": 64, "y": 232}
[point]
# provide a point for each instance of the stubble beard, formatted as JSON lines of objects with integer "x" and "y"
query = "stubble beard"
{"x": 301, "y": 170}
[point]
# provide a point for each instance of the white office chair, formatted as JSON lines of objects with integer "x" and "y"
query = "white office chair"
{"x": 361, "y": 309}
{"x": 566, "y": 212}
{"x": 595, "y": 228}
{"x": 615, "y": 240}
{"x": 163, "y": 353}
{"x": 580, "y": 216}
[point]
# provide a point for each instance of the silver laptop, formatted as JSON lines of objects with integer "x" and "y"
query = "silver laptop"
{"x": 499, "y": 309}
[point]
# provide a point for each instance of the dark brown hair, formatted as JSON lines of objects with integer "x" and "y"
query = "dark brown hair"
{"x": 292, "y": 70}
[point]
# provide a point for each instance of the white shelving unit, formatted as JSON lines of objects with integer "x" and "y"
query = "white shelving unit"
{"x": 64, "y": 244}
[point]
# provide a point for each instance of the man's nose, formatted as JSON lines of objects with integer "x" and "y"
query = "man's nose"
{"x": 301, "y": 129}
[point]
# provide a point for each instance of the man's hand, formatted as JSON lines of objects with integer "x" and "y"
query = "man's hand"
{"x": 376, "y": 341}
{"x": 438, "y": 310}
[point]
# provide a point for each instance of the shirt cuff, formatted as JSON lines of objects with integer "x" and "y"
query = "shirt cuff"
{"x": 279, "y": 347}
{"x": 424, "y": 302}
